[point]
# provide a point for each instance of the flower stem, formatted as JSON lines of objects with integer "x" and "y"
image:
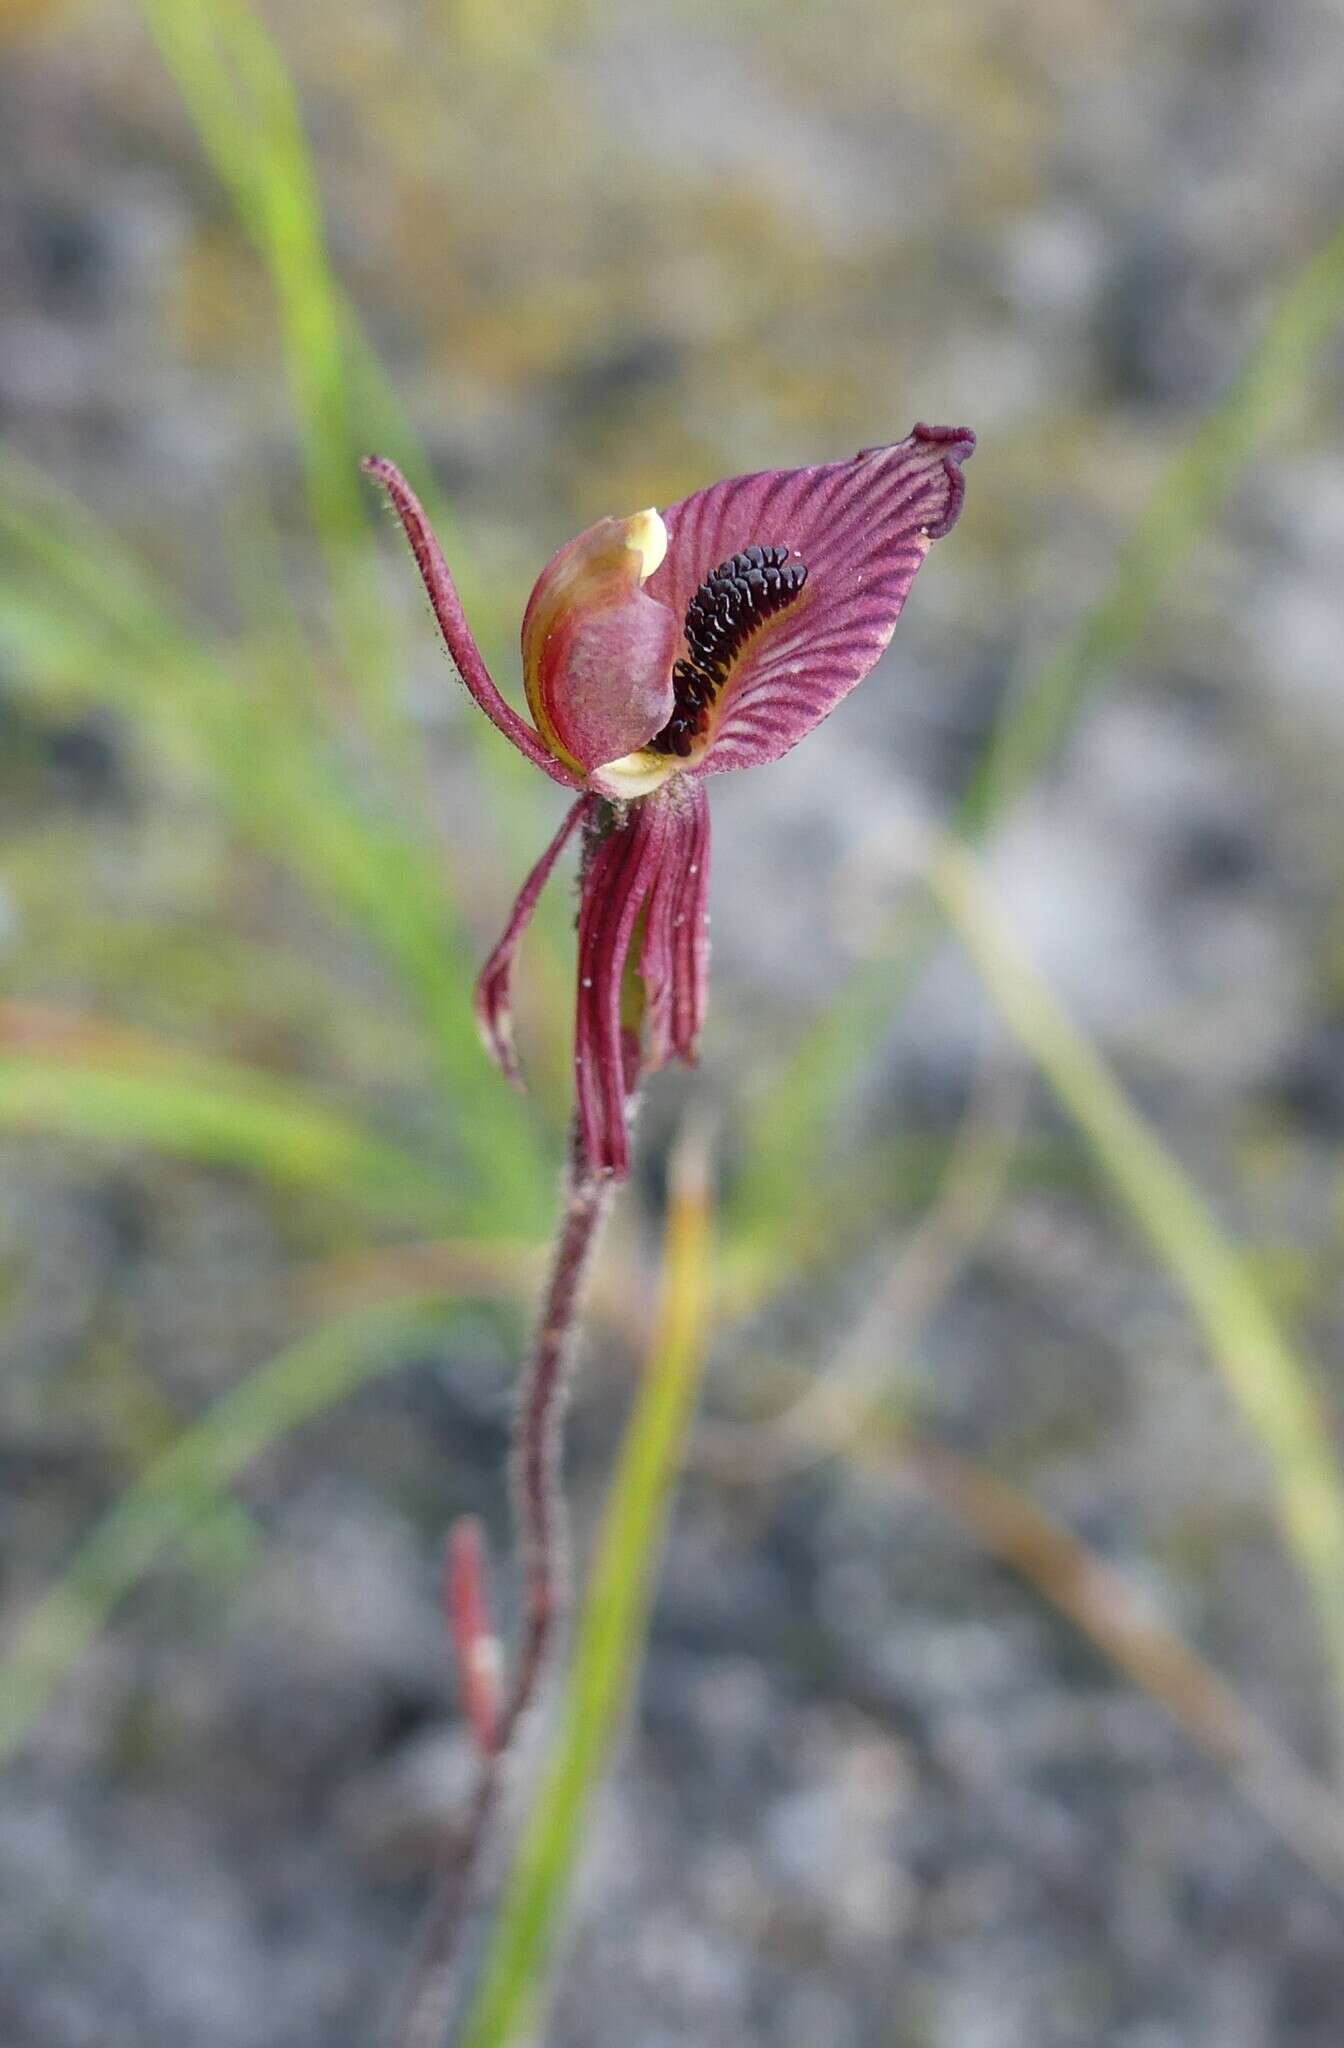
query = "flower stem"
{"x": 539, "y": 1513}
{"x": 539, "y": 1507}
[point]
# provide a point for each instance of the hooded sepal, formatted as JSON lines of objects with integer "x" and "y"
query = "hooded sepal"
{"x": 598, "y": 652}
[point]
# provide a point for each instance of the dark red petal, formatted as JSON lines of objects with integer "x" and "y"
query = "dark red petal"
{"x": 457, "y": 634}
{"x": 494, "y": 1010}
{"x": 618, "y": 875}
{"x": 674, "y": 958}
{"x": 862, "y": 527}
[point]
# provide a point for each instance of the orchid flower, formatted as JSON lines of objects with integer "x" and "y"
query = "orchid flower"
{"x": 659, "y": 650}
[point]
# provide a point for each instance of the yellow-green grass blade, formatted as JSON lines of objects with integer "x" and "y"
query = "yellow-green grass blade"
{"x": 291, "y": 804}
{"x": 243, "y": 105}
{"x": 776, "y": 1178}
{"x": 611, "y": 1629}
{"x": 225, "y": 1116}
{"x": 93, "y": 626}
{"x": 242, "y": 102}
{"x": 234, "y": 82}
{"x": 1273, "y": 1388}
{"x": 187, "y": 1485}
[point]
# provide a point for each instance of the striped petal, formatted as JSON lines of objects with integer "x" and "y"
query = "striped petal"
{"x": 862, "y": 528}
{"x": 674, "y": 957}
{"x": 620, "y": 866}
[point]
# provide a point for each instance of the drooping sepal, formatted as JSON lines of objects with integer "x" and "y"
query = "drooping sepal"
{"x": 621, "y": 857}
{"x": 493, "y": 1003}
{"x": 674, "y": 956}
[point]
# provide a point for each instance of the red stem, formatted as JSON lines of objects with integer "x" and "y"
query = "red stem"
{"x": 540, "y": 1518}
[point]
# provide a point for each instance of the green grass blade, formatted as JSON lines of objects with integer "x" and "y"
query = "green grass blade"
{"x": 611, "y": 1628}
{"x": 187, "y": 1485}
{"x": 234, "y": 82}
{"x": 50, "y": 530}
{"x": 1271, "y": 1386}
{"x": 776, "y": 1181}
{"x": 90, "y": 623}
{"x": 221, "y": 1115}
{"x": 243, "y": 105}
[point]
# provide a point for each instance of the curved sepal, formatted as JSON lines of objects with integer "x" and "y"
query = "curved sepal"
{"x": 452, "y": 621}
{"x": 494, "y": 1003}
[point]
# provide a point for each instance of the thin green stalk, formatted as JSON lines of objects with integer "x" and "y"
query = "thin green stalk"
{"x": 1274, "y": 1389}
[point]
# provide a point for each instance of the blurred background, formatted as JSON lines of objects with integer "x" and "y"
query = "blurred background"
{"x": 992, "y": 1695}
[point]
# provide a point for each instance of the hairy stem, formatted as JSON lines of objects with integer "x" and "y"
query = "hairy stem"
{"x": 539, "y": 1513}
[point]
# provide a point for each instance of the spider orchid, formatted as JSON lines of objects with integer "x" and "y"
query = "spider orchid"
{"x": 659, "y": 650}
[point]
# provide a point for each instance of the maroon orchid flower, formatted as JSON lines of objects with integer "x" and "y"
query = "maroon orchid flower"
{"x": 658, "y": 650}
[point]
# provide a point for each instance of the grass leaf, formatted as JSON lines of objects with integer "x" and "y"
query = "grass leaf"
{"x": 1271, "y": 1386}
{"x": 223, "y": 1115}
{"x": 105, "y": 632}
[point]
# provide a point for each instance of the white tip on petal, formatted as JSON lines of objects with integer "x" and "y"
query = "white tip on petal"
{"x": 646, "y": 533}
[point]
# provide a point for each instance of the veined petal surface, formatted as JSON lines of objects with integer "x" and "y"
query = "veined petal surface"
{"x": 862, "y": 528}
{"x": 674, "y": 956}
{"x": 619, "y": 872}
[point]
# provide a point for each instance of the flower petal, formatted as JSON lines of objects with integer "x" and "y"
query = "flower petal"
{"x": 674, "y": 957}
{"x": 457, "y": 634}
{"x": 862, "y": 528}
{"x": 619, "y": 872}
{"x": 598, "y": 652}
{"x": 494, "y": 1009}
